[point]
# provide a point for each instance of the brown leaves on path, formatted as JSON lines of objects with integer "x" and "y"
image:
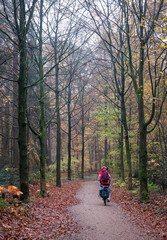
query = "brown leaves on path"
{"x": 43, "y": 218}
{"x": 150, "y": 215}
{"x": 48, "y": 218}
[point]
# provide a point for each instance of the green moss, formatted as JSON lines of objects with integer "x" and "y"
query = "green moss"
{"x": 135, "y": 192}
{"x": 145, "y": 196}
{"x": 3, "y": 203}
{"x": 123, "y": 184}
{"x": 135, "y": 182}
{"x": 153, "y": 187}
{"x": 142, "y": 174}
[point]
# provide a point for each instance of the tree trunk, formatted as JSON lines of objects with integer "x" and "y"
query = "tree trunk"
{"x": 22, "y": 96}
{"x": 58, "y": 155}
{"x": 69, "y": 132}
{"x": 124, "y": 118}
{"x": 22, "y": 108}
{"x": 142, "y": 125}
{"x": 49, "y": 146}
{"x": 142, "y": 152}
{"x": 95, "y": 151}
{"x": 91, "y": 156}
{"x": 42, "y": 113}
{"x": 105, "y": 151}
{"x": 121, "y": 154}
{"x": 15, "y": 147}
{"x": 105, "y": 141}
{"x": 5, "y": 131}
{"x": 83, "y": 134}
{"x": 127, "y": 144}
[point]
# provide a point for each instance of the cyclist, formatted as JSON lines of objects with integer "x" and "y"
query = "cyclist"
{"x": 104, "y": 178}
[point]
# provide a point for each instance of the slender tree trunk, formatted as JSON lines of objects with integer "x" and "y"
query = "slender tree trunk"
{"x": 15, "y": 147}
{"x": 49, "y": 146}
{"x": 83, "y": 134}
{"x": 90, "y": 156}
{"x": 22, "y": 107}
{"x": 121, "y": 154}
{"x": 127, "y": 145}
{"x": 124, "y": 118}
{"x": 99, "y": 156}
{"x": 105, "y": 140}
{"x": 7, "y": 129}
{"x": 142, "y": 125}
{"x": 95, "y": 151}
{"x": 69, "y": 132}
{"x": 58, "y": 139}
{"x": 58, "y": 155}
{"x": 42, "y": 112}
{"x": 105, "y": 151}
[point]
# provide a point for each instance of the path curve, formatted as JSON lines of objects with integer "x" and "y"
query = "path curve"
{"x": 101, "y": 222}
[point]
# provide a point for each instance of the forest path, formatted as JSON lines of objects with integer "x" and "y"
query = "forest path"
{"x": 101, "y": 222}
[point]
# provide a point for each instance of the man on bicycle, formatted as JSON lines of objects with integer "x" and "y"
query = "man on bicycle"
{"x": 104, "y": 179}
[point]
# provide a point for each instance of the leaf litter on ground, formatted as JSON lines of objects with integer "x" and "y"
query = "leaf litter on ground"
{"x": 43, "y": 218}
{"x": 49, "y": 218}
{"x": 150, "y": 215}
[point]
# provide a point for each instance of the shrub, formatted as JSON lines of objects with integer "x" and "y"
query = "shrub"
{"x": 7, "y": 195}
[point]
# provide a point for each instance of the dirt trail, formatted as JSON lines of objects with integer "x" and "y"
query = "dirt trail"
{"x": 101, "y": 222}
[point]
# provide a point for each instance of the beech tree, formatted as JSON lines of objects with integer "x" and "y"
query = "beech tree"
{"x": 19, "y": 23}
{"x": 99, "y": 100}
{"x": 73, "y": 65}
{"x": 113, "y": 42}
{"x": 65, "y": 38}
{"x": 140, "y": 24}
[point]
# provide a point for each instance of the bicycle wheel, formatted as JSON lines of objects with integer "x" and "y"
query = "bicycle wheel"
{"x": 105, "y": 201}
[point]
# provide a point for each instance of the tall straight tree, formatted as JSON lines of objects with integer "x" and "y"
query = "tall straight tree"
{"x": 15, "y": 148}
{"x": 138, "y": 15}
{"x": 58, "y": 155}
{"x": 63, "y": 33}
{"x": 123, "y": 112}
{"x": 42, "y": 135}
{"x": 69, "y": 130}
{"x": 102, "y": 18}
{"x": 83, "y": 132}
{"x": 41, "y": 96}
{"x": 105, "y": 140}
{"x": 22, "y": 27}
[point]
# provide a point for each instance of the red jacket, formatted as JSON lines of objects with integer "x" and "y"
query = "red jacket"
{"x": 100, "y": 174}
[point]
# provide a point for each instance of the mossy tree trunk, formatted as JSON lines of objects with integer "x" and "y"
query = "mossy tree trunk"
{"x": 122, "y": 153}
{"x": 142, "y": 126}
{"x": 22, "y": 105}
{"x": 127, "y": 144}
{"x": 42, "y": 135}
{"x": 22, "y": 28}
{"x": 138, "y": 82}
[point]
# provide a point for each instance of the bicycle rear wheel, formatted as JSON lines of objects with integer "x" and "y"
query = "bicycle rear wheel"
{"x": 105, "y": 201}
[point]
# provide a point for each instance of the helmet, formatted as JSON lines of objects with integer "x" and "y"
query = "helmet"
{"x": 103, "y": 168}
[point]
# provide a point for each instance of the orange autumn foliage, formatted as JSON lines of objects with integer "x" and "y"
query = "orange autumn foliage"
{"x": 11, "y": 190}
